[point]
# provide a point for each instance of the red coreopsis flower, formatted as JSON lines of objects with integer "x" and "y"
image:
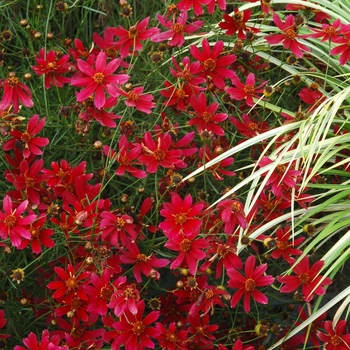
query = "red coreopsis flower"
{"x": 142, "y": 263}
{"x": 130, "y": 40}
{"x": 189, "y": 248}
{"x": 270, "y": 206}
{"x": 70, "y": 285}
{"x": 205, "y": 117}
{"x": 200, "y": 329}
{"x": 289, "y": 36}
{"x": 176, "y": 30}
{"x": 12, "y": 224}
{"x": 280, "y": 176}
{"x": 52, "y": 68}
{"x": 334, "y": 338}
{"x": 135, "y": 98}
{"x": 247, "y": 285}
{"x": 27, "y": 138}
{"x": 220, "y": 3}
{"x": 343, "y": 49}
{"x": 180, "y": 216}
{"x": 171, "y": 337}
{"x": 158, "y": 153}
{"x": 39, "y": 236}
{"x": 15, "y": 92}
{"x": 127, "y": 157}
{"x": 320, "y": 17}
{"x": 232, "y": 214}
{"x": 213, "y": 63}
{"x": 2, "y": 324}
{"x": 98, "y": 80}
{"x": 196, "y": 5}
{"x": 307, "y": 277}
{"x": 133, "y": 331}
{"x": 245, "y": 91}
{"x": 237, "y": 23}
{"x": 47, "y": 342}
{"x": 284, "y": 247}
{"x": 328, "y": 32}
{"x": 188, "y": 71}
{"x": 310, "y": 95}
{"x": 248, "y": 127}
{"x": 106, "y": 43}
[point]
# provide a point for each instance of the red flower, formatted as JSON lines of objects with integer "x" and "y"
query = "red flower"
{"x": 171, "y": 338}
{"x": 180, "y": 216}
{"x": 70, "y": 286}
{"x": 213, "y": 65}
{"x": 30, "y": 143}
{"x": 12, "y": 224}
{"x": 221, "y": 4}
{"x": 284, "y": 247}
{"x": 306, "y": 277}
{"x": 134, "y": 331}
{"x": 200, "y": 329}
{"x": 15, "y": 92}
{"x": 254, "y": 277}
{"x": 142, "y": 263}
{"x": 127, "y": 157}
{"x": 334, "y": 339}
{"x": 205, "y": 117}
{"x": 98, "y": 80}
{"x": 185, "y": 5}
{"x": 245, "y": 91}
{"x": 39, "y": 236}
{"x": 32, "y": 342}
{"x": 189, "y": 248}
{"x": 237, "y": 23}
{"x": 289, "y": 36}
{"x": 177, "y": 30}
{"x": 135, "y": 98}
{"x": 159, "y": 154}
{"x": 343, "y": 49}
{"x": 248, "y": 127}
{"x": 52, "y": 67}
{"x": 328, "y": 32}
{"x": 131, "y": 39}
{"x": 232, "y": 214}
{"x": 2, "y": 324}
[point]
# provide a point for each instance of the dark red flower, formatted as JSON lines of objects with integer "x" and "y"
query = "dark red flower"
{"x": 247, "y": 285}
{"x": 196, "y": 5}
{"x": 32, "y": 342}
{"x": 343, "y": 49}
{"x": 220, "y": 3}
{"x": 232, "y": 214}
{"x": 171, "y": 337}
{"x": 200, "y": 329}
{"x": 328, "y": 32}
{"x": 249, "y": 127}
{"x": 334, "y": 338}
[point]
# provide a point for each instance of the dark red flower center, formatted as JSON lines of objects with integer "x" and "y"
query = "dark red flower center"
{"x": 25, "y": 137}
{"x": 336, "y": 340}
{"x": 282, "y": 245}
{"x": 209, "y": 64}
{"x": 222, "y": 250}
{"x": 185, "y": 245}
{"x": 51, "y": 66}
{"x": 132, "y": 96}
{"x": 304, "y": 278}
{"x": 30, "y": 182}
{"x": 159, "y": 155}
{"x": 253, "y": 126}
{"x": 290, "y": 34}
{"x": 125, "y": 161}
{"x": 71, "y": 283}
{"x": 138, "y": 328}
{"x": 236, "y": 207}
{"x": 129, "y": 293}
{"x": 178, "y": 28}
{"x": 106, "y": 293}
{"x": 76, "y": 304}
{"x": 280, "y": 168}
{"x": 120, "y": 223}
{"x": 34, "y": 232}
{"x": 186, "y": 74}
{"x": 141, "y": 258}
{"x": 13, "y": 81}
{"x": 99, "y": 78}
{"x": 10, "y": 221}
{"x": 61, "y": 174}
{"x": 200, "y": 330}
{"x": 77, "y": 332}
{"x": 180, "y": 94}
{"x": 249, "y": 285}
{"x": 180, "y": 218}
{"x": 329, "y": 30}
{"x": 171, "y": 337}
{"x": 207, "y": 117}
{"x": 133, "y": 32}
{"x": 209, "y": 294}
{"x": 249, "y": 89}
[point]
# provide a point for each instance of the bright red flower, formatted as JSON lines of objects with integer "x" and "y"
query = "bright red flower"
{"x": 220, "y": 3}
{"x": 196, "y": 5}
{"x": 248, "y": 127}
{"x": 189, "y": 248}
{"x": 172, "y": 338}
{"x": 51, "y": 67}
{"x": 98, "y": 80}
{"x": 134, "y": 331}
{"x": 177, "y": 30}
{"x": 200, "y": 329}
{"x": 334, "y": 339}
{"x": 70, "y": 285}
{"x": 39, "y": 236}
{"x": 135, "y": 98}
{"x": 80, "y": 51}
{"x": 289, "y": 36}
{"x": 158, "y": 153}
{"x": 307, "y": 277}
{"x": 27, "y": 138}
{"x": 343, "y": 49}
{"x": 32, "y": 342}
{"x": 106, "y": 43}
{"x": 245, "y": 91}
{"x": 254, "y": 277}
{"x": 328, "y": 32}
{"x": 76, "y": 308}
{"x": 232, "y": 214}
{"x": 237, "y": 23}
{"x": 142, "y": 263}
{"x": 130, "y": 40}
{"x": 15, "y": 92}
{"x": 310, "y": 95}
{"x": 205, "y": 117}
{"x": 271, "y": 206}
{"x": 127, "y": 156}
{"x": 180, "y": 216}
{"x": 213, "y": 65}
{"x": 12, "y": 224}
